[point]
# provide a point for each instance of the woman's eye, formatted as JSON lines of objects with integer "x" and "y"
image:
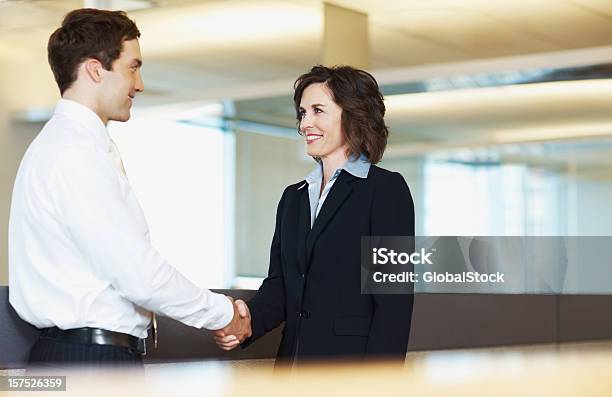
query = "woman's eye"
{"x": 317, "y": 110}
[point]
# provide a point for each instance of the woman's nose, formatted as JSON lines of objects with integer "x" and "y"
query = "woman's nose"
{"x": 305, "y": 122}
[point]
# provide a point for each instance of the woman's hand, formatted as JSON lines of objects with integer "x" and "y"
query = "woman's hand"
{"x": 238, "y": 330}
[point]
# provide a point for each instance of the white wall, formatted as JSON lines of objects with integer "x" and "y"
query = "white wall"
{"x": 5, "y": 189}
{"x": 265, "y": 165}
{"x": 594, "y": 203}
{"x": 26, "y": 81}
{"x": 14, "y": 140}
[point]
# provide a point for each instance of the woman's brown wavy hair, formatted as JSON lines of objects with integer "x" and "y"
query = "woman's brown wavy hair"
{"x": 363, "y": 109}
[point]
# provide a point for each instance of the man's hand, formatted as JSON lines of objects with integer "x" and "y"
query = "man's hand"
{"x": 237, "y": 330}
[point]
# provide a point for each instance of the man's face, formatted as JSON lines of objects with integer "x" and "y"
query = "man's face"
{"x": 121, "y": 83}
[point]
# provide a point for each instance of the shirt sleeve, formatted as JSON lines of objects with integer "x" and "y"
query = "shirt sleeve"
{"x": 105, "y": 222}
{"x": 392, "y": 215}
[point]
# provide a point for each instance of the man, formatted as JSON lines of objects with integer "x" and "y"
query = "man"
{"x": 81, "y": 266}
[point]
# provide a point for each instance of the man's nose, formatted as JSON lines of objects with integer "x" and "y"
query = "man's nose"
{"x": 139, "y": 86}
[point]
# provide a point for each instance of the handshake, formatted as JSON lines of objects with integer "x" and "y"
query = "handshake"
{"x": 237, "y": 330}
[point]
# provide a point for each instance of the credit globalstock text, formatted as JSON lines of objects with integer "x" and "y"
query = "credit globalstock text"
{"x": 385, "y": 257}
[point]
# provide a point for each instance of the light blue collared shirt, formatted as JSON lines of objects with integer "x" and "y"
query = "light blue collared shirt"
{"x": 358, "y": 167}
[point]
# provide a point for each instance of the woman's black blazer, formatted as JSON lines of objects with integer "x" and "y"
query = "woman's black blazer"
{"x": 314, "y": 279}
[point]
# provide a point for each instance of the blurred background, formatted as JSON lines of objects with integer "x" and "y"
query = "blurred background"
{"x": 500, "y": 114}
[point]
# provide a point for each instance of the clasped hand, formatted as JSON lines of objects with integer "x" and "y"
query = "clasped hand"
{"x": 237, "y": 330}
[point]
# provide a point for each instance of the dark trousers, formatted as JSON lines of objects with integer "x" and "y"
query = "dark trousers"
{"x": 48, "y": 352}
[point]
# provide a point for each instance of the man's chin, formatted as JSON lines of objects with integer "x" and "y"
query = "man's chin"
{"x": 121, "y": 118}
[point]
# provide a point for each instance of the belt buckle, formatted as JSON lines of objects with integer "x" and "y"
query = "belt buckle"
{"x": 142, "y": 346}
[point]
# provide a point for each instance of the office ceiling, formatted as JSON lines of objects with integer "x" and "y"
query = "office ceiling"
{"x": 190, "y": 46}
{"x": 251, "y": 51}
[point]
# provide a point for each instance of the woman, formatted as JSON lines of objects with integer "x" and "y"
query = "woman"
{"x": 314, "y": 279}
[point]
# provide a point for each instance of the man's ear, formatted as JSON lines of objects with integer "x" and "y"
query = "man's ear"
{"x": 94, "y": 69}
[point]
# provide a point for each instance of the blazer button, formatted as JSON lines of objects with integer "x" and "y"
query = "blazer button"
{"x": 302, "y": 275}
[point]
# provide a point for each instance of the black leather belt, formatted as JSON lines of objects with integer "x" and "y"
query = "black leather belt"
{"x": 96, "y": 336}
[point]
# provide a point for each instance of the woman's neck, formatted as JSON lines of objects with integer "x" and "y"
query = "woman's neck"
{"x": 331, "y": 163}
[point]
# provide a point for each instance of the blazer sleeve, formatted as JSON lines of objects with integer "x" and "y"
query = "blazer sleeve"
{"x": 267, "y": 307}
{"x": 392, "y": 214}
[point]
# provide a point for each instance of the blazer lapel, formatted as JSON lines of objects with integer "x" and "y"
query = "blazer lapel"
{"x": 303, "y": 228}
{"x": 338, "y": 194}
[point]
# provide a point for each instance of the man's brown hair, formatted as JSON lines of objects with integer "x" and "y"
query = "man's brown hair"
{"x": 88, "y": 33}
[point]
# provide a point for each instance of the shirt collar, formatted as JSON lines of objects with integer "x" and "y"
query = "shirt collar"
{"x": 356, "y": 166}
{"x": 86, "y": 117}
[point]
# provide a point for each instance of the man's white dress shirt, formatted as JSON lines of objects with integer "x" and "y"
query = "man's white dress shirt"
{"x": 79, "y": 247}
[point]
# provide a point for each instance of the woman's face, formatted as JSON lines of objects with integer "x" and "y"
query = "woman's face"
{"x": 320, "y": 123}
